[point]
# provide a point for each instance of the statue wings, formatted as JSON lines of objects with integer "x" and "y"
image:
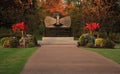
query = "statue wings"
{"x": 50, "y": 21}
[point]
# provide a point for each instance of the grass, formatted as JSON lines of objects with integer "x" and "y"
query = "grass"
{"x": 12, "y": 60}
{"x": 113, "y": 54}
{"x": 0, "y": 43}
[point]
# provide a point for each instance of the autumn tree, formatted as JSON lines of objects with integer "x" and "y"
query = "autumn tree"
{"x": 108, "y": 14}
{"x": 56, "y": 6}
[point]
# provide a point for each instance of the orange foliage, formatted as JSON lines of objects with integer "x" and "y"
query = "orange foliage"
{"x": 56, "y": 6}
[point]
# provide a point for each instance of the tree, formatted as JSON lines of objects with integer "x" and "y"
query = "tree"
{"x": 10, "y": 8}
{"x": 109, "y": 14}
{"x": 105, "y": 12}
{"x": 56, "y": 6}
{"x": 14, "y": 11}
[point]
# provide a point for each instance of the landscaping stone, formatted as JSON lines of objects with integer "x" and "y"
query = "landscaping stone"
{"x": 58, "y": 41}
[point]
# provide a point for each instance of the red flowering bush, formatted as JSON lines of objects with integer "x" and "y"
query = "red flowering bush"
{"x": 19, "y": 27}
{"x": 92, "y": 26}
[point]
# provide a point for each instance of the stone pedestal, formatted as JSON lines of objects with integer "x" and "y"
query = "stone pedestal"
{"x": 57, "y": 41}
{"x": 58, "y": 32}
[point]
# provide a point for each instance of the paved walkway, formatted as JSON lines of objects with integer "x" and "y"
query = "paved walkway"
{"x": 68, "y": 59}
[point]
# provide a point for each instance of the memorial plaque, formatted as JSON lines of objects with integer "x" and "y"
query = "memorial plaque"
{"x": 57, "y": 26}
{"x": 58, "y": 32}
{"x": 50, "y": 22}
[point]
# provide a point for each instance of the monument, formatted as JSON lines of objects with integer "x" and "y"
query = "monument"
{"x": 58, "y": 23}
{"x": 58, "y": 26}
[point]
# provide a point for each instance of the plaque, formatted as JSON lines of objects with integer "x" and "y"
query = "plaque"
{"x": 57, "y": 26}
{"x": 64, "y": 22}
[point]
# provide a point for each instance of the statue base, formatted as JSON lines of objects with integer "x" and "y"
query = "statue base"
{"x": 58, "y": 32}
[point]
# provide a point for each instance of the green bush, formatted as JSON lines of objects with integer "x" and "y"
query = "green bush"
{"x": 41, "y": 29}
{"x": 11, "y": 42}
{"x": 104, "y": 43}
{"x": 99, "y": 42}
{"x": 90, "y": 45}
{"x": 115, "y": 37}
{"x": 6, "y": 44}
{"x": 28, "y": 41}
{"x": 34, "y": 40}
{"x": 85, "y": 39}
{"x": 82, "y": 41}
{"x": 14, "y": 42}
{"x": 30, "y": 44}
{"x": 3, "y": 39}
{"x": 107, "y": 43}
{"x": 31, "y": 40}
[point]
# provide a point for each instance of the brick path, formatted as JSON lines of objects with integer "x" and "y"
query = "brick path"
{"x": 68, "y": 59}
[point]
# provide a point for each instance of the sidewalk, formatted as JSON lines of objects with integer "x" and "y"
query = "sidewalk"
{"x": 68, "y": 59}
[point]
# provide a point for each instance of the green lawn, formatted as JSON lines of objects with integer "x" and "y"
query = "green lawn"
{"x": 0, "y": 43}
{"x": 113, "y": 54}
{"x": 12, "y": 60}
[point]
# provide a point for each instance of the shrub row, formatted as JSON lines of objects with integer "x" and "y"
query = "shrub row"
{"x": 88, "y": 40}
{"x": 14, "y": 42}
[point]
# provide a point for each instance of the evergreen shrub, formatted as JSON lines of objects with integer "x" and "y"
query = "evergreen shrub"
{"x": 30, "y": 44}
{"x": 99, "y": 42}
{"x": 11, "y": 42}
{"x": 85, "y": 39}
{"x": 107, "y": 43}
{"x": 14, "y": 42}
{"x": 90, "y": 45}
{"x": 31, "y": 41}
